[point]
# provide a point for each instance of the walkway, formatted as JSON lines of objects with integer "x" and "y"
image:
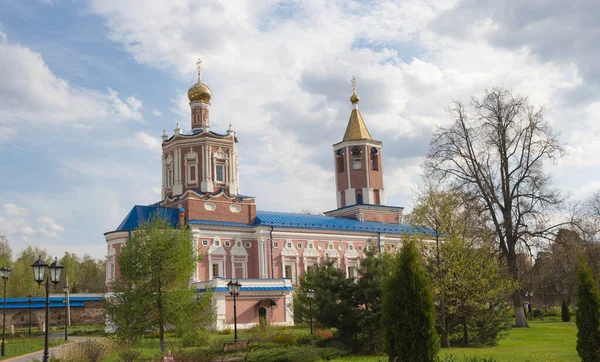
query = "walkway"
{"x": 39, "y": 355}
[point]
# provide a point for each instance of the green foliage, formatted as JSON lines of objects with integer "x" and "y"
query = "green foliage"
{"x": 408, "y": 314}
{"x": 331, "y": 286}
{"x": 294, "y": 354}
{"x": 151, "y": 291}
{"x": 310, "y": 339}
{"x": 564, "y": 311}
{"x": 470, "y": 282}
{"x": 129, "y": 355}
{"x": 588, "y": 317}
{"x": 353, "y": 307}
{"x": 284, "y": 339}
{"x": 452, "y": 358}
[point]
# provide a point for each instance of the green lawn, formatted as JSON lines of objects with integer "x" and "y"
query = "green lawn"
{"x": 548, "y": 340}
{"x": 17, "y": 346}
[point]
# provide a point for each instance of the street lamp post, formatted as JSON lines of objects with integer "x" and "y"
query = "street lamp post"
{"x": 29, "y": 298}
{"x": 39, "y": 274}
{"x": 66, "y": 290}
{"x": 234, "y": 290}
{"x": 310, "y": 294}
{"x": 4, "y": 273}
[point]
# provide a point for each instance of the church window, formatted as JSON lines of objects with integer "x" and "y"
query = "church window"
{"x": 217, "y": 242}
{"x": 204, "y": 242}
{"x": 356, "y": 158}
{"x": 340, "y": 160}
{"x": 299, "y": 246}
{"x": 192, "y": 173}
{"x": 359, "y": 248}
{"x": 330, "y": 247}
{"x": 351, "y": 272}
{"x": 227, "y": 243}
{"x": 170, "y": 178}
{"x": 275, "y": 244}
{"x": 359, "y": 199}
{"x": 220, "y": 173}
{"x": 215, "y": 270}
{"x": 248, "y": 245}
{"x": 289, "y": 245}
{"x": 340, "y": 247}
{"x": 374, "y": 159}
{"x": 350, "y": 247}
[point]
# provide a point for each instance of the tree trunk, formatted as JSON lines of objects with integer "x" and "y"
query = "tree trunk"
{"x": 442, "y": 308}
{"x": 520, "y": 319}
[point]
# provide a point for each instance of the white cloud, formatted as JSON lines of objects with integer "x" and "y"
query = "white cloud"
{"x": 157, "y": 113}
{"x": 146, "y": 141}
{"x": 14, "y": 210}
{"x": 30, "y": 92}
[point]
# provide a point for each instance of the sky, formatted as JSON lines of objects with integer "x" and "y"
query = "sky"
{"x": 87, "y": 86}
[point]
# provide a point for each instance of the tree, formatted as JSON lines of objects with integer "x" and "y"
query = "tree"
{"x": 588, "y": 317}
{"x": 151, "y": 291}
{"x": 450, "y": 215}
{"x": 5, "y": 252}
{"x": 495, "y": 153}
{"x": 564, "y": 311}
{"x": 331, "y": 286}
{"x": 474, "y": 289}
{"x": 408, "y": 313}
{"x": 21, "y": 282}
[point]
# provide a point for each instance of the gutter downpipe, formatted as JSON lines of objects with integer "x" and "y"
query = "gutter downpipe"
{"x": 379, "y": 242}
{"x": 271, "y": 240}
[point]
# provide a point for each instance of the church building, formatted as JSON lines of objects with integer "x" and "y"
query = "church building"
{"x": 265, "y": 251}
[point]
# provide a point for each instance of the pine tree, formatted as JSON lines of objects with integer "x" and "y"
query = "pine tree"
{"x": 588, "y": 317}
{"x": 408, "y": 311}
{"x": 566, "y": 316}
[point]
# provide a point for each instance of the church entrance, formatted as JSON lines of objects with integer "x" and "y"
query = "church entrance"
{"x": 262, "y": 316}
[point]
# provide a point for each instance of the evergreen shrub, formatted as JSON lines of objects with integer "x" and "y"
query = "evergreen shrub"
{"x": 588, "y": 317}
{"x": 566, "y": 315}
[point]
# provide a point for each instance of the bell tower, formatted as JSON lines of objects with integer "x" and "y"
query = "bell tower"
{"x": 358, "y": 162}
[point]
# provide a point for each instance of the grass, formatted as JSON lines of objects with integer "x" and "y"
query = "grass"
{"x": 547, "y": 340}
{"x": 19, "y": 345}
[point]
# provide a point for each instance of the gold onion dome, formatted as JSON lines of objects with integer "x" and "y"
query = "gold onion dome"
{"x": 199, "y": 91}
{"x": 354, "y": 98}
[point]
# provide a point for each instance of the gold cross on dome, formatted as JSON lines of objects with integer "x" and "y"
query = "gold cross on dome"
{"x": 198, "y": 64}
{"x": 353, "y": 80}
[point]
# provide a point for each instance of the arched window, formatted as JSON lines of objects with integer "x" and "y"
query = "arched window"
{"x": 339, "y": 159}
{"x": 359, "y": 199}
{"x": 374, "y": 159}
{"x": 356, "y": 158}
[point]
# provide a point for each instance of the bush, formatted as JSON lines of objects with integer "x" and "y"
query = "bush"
{"x": 330, "y": 353}
{"x": 537, "y": 313}
{"x": 566, "y": 315}
{"x": 325, "y": 333}
{"x": 310, "y": 339}
{"x": 284, "y": 339}
{"x": 91, "y": 350}
{"x": 287, "y": 354}
{"x": 452, "y": 358}
{"x": 227, "y": 331}
{"x": 129, "y": 355}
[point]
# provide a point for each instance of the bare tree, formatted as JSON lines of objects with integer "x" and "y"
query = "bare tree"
{"x": 495, "y": 151}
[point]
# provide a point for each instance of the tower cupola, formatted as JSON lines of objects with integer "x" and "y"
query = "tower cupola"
{"x": 199, "y": 95}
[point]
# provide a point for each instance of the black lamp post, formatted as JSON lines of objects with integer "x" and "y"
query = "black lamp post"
{"x": 66, "y": 290}
{"x": 310, "y": 294}
{"x": 39, "y": 273}
{"x": 4, "y": 273}
{"x": 29, "y": 298}
{"x": 234, "y": 290}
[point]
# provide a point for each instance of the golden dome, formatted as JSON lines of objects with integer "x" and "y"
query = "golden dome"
{"x": 199, "y": 92}
{"x": 354, "y": 98}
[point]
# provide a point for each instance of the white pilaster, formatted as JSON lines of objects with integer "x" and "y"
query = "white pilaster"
{"x": 350, "y": 196}
{"x": 368, "y": 196}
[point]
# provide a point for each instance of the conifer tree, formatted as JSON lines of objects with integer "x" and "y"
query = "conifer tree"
{"x": 408, "y": 311}
{"x": 566, "y": 316}
{"x": 588, "y": 317}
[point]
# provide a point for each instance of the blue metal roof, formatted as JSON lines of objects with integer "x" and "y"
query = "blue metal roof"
{"x": 140, "y": 214}
{"x": 303, "y": 221}
{"x": 40, "y": 302}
